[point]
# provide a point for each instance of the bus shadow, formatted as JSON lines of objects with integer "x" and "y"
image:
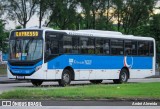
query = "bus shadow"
{"x": 71, "y": 85}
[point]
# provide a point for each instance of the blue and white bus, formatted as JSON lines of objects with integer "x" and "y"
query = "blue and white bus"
{"x": 64, "y": 56}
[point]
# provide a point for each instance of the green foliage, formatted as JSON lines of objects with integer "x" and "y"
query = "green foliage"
{"x": 3, "y": 70}
{"x": 20, "y": 10}
{"x": 18, "y": 27}
{"x": 94, "y": 14}
{"x": 63, "y": 13}
{"x": 42, "y": 9}
{"x": 101, "y": 91}
{"x": 155, "y": 30}
{"x": 3, "y": 38}
{"x": 131, "y": 16}
{"x": 2, "y": 6}
{"x": 155, "y": 26}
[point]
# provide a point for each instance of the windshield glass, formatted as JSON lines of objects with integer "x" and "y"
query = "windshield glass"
{"x": 25, "y": 49}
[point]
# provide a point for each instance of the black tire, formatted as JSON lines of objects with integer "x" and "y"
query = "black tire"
{"x": 66, "y": 78}
{"x": 116, "y": 81}
{"x": 123, "y": 77}
{"x": 96, "y": 81}
{"x": 37, "y": 82}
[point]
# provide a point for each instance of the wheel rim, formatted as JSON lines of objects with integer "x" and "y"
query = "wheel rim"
{"x": 123, "y": 76}
{"x": 66, "y": 77}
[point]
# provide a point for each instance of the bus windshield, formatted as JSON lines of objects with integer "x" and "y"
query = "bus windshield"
{"x": 25, "y": 49}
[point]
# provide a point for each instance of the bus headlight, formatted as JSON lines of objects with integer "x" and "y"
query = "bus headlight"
{"x": 38, "y": 67}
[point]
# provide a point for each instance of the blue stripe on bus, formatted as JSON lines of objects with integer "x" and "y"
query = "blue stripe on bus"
{"x": 89, "y": 62}
{"x": 99, "y": 62}
{"x": 24, "y": 69}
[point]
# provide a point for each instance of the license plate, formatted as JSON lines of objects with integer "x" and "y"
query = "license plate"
{"x": 20, "y": 77}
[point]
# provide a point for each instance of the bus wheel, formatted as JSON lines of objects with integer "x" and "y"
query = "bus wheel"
{"x": 66, "y": 78}
{"x": 37, "y": 82}
{"x": 123, "y": 77}
{"x": 96, "y": 81}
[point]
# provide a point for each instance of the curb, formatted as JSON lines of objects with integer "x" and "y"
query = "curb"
{"x": 3, "y": 75}
{"x": 11, "y": 81}
{"x": 5, "y": 80}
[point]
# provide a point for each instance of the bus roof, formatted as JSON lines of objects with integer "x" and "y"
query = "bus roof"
{"x": 93, "y": 33}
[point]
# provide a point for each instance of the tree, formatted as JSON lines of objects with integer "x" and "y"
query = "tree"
{"x": 63, "y": 14}
{"x": 97, "y": 13}
{"x": 3, "y": 34}
{"x": 134, "y": 15}
{"x": 86, "y": 8}
{"x": 43, "y": 7}
{"x": 119, "y": 4}
{"x": 21, "y": 10}
{"x": 3, "y": 37}
{"x": 18, "y": 27}
{"x": 106, "y": 13}
{"x": 89, "y": 10}
{"x": 155, "y": 29}
{"x": 1, "y": 8}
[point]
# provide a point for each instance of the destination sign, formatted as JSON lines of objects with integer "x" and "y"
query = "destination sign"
{"x": 26, "y": 33}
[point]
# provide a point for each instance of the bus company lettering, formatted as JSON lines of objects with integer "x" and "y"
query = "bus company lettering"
{"x": 84, "y": 62}
{"x": 88, "y": 62}
{"x": 71, "y": 61}
{"x": 77, "y": 34}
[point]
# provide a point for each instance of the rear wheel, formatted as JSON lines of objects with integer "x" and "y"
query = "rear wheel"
{"x": 96, "y": 81}
{"x": 123, "y": 77}
{"x": 66, "y": 78}
{"x": 37, "y": 82}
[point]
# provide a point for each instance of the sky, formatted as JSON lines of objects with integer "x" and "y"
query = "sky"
{"x": 35, "y": 21}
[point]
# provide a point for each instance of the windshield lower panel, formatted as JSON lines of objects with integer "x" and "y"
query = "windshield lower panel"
{"x": 25, "y": 49}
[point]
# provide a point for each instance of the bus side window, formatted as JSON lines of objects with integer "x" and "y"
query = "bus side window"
{"x": 67, "y": 44}
{"x": 143, "y": 48}
{"x": 54, "y": 46}
{"x": 102, "y": 46}
{"x": 106, "y": 47}
{"x": 117, "y": 47}
{"x": 51, "y": 44}
{"x": 134, "y": 48}
{"x": 75, "y": 45}
{"x": 48, "y": 51}
{"x": 151, "y": 48}
{"x": 128, "y": 47}
{"x": 99, "y": 46}
{"x": 83, "y": 45}
{"x": 90, "y": 46}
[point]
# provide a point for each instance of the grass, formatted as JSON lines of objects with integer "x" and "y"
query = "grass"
{"x": 3, "y": 70}
{"x": 101, "y": 91}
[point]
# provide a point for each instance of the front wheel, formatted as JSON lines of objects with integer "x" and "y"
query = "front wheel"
{"x": 66, "y": 78}
{"x": 123, "y": 77}
{"x": 96, "y": 81}
{"x": 36, "y": 82}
